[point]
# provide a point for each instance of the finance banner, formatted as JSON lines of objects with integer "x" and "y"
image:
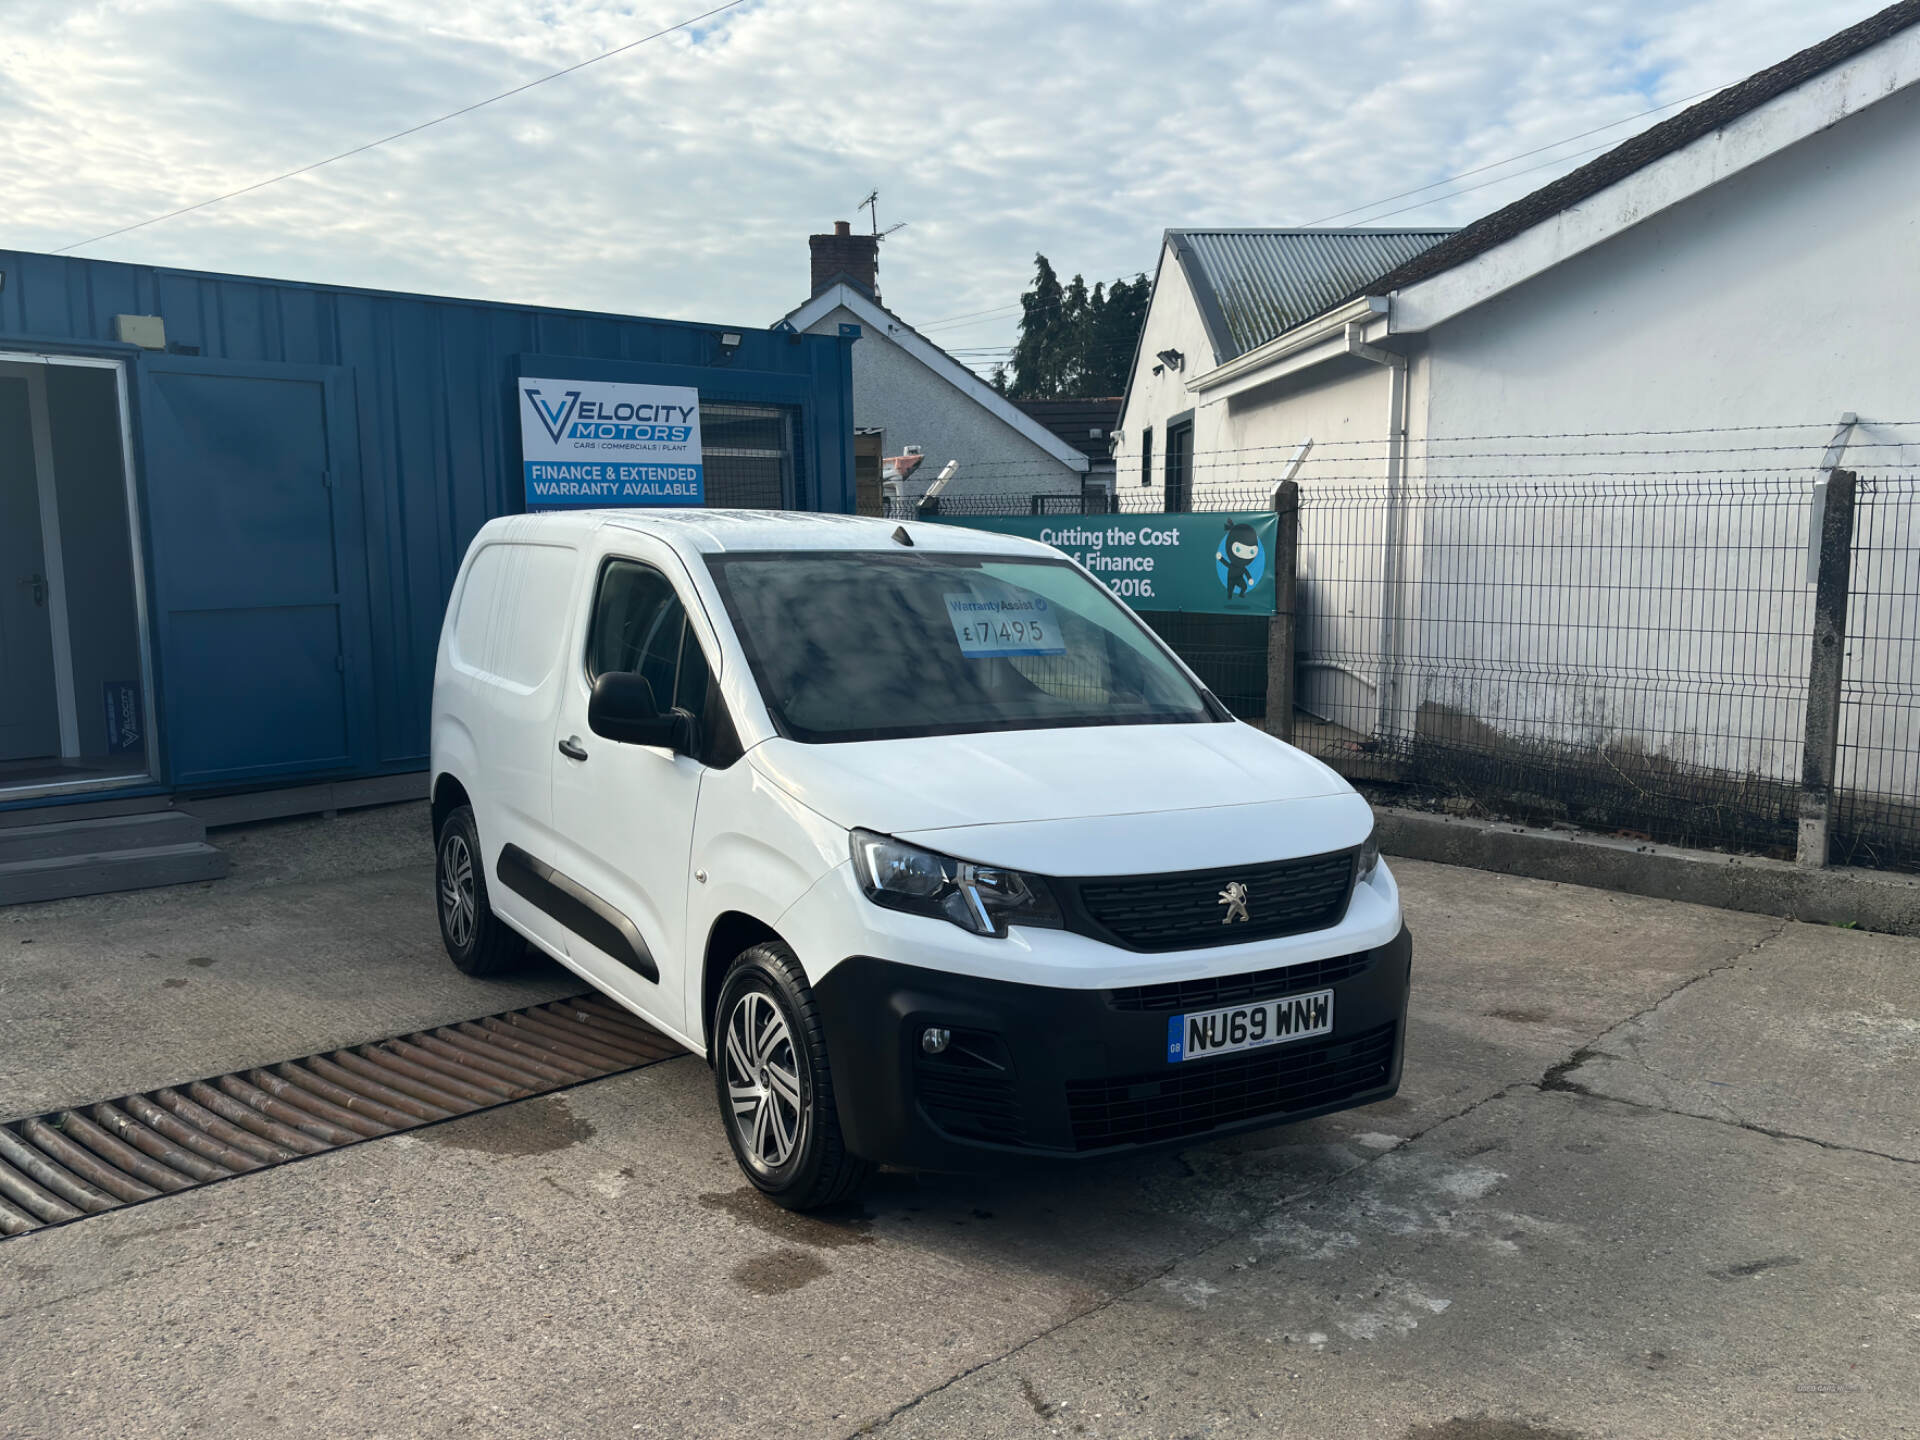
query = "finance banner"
{"x": 1218, "y": 563}
{"x": 600, "y": 442}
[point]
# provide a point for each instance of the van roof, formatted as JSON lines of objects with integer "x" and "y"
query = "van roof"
{"x": 717, "y": 531}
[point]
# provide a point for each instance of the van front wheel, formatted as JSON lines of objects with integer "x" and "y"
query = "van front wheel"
{"x": 775, "y": 1089}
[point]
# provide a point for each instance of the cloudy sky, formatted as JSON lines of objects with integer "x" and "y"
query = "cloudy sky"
{"x": 682, "y": 177}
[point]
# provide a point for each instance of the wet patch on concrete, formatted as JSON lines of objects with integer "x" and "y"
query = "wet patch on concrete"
{"x": 113, "y": 1241}
{"x": 778, "y": 1272}
{"x": 1522, "y": 1015}
{"x": 533, "y": 1127}
{"x": 1756, "y": 1267}
{"x": 822, "y": 1230}
{"x": 1482, "y": 1427}
{"x": 1035, "y": 1402}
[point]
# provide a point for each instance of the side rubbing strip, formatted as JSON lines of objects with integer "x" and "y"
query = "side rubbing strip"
{"x": 577, "y": 908}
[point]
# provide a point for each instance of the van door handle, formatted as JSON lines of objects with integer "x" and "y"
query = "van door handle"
{"x": 572, "y": 748}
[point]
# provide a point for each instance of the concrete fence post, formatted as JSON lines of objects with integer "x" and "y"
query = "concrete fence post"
{"x": 1820, "y": 752}
{"x": 1282, "y": 630}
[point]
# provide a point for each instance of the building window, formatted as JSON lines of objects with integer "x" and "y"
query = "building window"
{"x": 1179, "y": 466}
{"x": 1146, "y": 456}
{"x": 747, "y": 451}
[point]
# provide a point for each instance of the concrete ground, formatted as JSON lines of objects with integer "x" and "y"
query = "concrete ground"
{"x": 1654, "y": 1171}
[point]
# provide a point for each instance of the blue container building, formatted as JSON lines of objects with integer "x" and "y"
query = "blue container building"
{"x": 231, "y": 509}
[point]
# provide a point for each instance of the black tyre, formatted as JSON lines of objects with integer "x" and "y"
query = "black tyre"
{"x": 775, "y": 1089}
{"x": 476, "y": 941}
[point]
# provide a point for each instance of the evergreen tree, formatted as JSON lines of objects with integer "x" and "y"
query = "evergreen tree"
{"x": 1075, "y": 343}
{"x": 1113, "y": 330}
{"x": 1036, "y": 364}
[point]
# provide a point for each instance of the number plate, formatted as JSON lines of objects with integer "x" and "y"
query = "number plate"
{"x": 1249, "y": 1027}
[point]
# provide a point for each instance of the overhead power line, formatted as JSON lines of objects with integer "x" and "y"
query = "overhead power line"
{"x": 1496, "y": 164}
{"x": 410, "y": 130}
{"x": 968, "y": 315}
{"x": 990, "y": 316}
{"x": 1510, "y": 175}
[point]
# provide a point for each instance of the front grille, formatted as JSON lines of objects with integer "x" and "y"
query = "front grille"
{"x": 1178, "y": 912}
{"x": 1180, "y": 995}
{"x": 967, "y": 1090}
{"x": 1198, "y": 1095}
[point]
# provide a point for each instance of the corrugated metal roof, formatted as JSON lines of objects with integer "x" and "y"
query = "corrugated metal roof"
{"x": 1255, "y": 284}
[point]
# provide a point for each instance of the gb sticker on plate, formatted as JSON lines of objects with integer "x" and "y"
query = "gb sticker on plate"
{"x": 990, "y": 627}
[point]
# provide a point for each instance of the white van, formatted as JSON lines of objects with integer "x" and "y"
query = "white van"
{"x": 921, "y": 837}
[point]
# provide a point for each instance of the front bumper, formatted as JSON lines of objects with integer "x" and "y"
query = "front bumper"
{"x": 1040, "y": 1073}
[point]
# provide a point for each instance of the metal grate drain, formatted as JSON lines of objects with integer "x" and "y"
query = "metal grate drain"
{"x": 72, "y": 1163}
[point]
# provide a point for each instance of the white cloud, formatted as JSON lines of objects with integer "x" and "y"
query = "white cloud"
{"x": 682, "y": 178}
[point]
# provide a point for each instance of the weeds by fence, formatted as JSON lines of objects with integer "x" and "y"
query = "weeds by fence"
{"x": 1544, "y": 629}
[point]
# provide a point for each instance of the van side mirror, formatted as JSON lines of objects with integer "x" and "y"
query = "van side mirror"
{"x": 623, "y": 708}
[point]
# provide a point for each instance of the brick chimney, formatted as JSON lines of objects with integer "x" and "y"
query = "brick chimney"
{"x": 844, "y": 253}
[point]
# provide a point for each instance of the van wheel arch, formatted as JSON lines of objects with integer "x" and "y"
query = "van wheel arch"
{"x": 733, "y": 932}
{"x": 448, "y": 796}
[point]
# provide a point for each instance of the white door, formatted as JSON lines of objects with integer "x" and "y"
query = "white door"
{"x": 623, "y": 814}
{"x": 29, "y": 704}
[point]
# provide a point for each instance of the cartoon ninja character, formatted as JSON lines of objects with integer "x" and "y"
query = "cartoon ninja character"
{"x": 1238, "y": 551}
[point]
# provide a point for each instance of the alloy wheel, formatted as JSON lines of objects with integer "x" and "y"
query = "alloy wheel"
{"x": 763, "y": 1082}
{"x": 456, "y": 889}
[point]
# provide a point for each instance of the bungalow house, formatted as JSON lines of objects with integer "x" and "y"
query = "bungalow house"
{"x": 1653, "y": 356}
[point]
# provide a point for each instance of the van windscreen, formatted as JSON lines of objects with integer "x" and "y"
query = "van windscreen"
{"x": 872, "y": 645}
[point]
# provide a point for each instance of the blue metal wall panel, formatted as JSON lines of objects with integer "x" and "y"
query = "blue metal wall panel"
{"x": 436, "y": 431}
{"x": 259, "y": 573}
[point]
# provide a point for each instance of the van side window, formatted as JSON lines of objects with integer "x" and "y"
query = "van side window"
{"x": 640, "y": 625}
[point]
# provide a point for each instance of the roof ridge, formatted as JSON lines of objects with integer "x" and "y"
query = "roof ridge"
{"x": 1312, "y": 229}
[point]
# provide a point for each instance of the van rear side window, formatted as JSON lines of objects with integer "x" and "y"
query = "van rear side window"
{"x": 513, "y": 612}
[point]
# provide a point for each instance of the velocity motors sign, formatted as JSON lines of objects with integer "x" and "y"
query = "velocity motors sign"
{"x": 597, "y": 442}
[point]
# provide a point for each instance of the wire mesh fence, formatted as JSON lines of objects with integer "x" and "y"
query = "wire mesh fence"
{"x": 1877, "y": 796}
{"x": 1620, "y": 654}
{"x": 1612, "y": 633}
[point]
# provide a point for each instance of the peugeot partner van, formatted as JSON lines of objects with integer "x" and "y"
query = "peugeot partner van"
{"x": 932, "y": 849}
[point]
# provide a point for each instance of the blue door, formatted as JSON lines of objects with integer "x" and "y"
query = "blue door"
{"x": 259, "y": 568}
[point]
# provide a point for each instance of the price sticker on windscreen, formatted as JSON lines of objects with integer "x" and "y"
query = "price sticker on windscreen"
{"x": 1014, "y": 623}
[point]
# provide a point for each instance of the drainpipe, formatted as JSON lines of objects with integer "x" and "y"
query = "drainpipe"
{"x": 1392, "y": 560}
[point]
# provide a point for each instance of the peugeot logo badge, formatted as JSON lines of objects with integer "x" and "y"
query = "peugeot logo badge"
{"x": 1234, "y": 897}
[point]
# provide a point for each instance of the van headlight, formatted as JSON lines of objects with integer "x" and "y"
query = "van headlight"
{"x": 982, "y": 898}
{"x": 1369, "y": 859}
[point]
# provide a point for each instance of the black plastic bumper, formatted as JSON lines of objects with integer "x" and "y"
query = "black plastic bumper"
{"x": 1038, "y": 1074}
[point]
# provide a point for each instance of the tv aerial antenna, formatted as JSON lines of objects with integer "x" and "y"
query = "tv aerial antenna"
{"x": 872, "y": 206}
